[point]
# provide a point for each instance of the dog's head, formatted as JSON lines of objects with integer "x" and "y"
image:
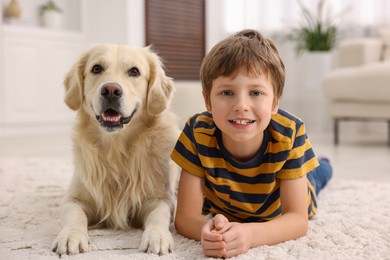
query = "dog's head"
{"x": 116, "y": 83}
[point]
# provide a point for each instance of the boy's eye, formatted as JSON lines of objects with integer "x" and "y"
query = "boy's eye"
{"x": 227, "y": 93}
{"x": 255, "y": 93}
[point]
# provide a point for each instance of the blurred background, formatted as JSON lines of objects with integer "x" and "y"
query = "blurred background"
{"x": 40, "y": 40}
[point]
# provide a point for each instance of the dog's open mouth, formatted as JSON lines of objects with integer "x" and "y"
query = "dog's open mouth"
{"x": 112, "y": 120}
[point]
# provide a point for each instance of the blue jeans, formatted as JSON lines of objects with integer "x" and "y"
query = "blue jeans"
{"x": 320, "y": 176}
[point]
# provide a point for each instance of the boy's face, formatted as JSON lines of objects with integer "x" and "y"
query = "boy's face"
{"x": 242, "y": 108}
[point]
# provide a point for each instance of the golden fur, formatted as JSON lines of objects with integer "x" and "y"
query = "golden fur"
{"x": 122, "y": 143}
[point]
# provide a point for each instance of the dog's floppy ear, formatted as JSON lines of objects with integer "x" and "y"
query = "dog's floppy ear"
{"x": 160, "y": 86}
{"x": 74, "y": 81}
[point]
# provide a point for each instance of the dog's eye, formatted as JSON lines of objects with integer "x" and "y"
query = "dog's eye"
{"x": 133, "y": 72}
{"x": 96, "y": 69}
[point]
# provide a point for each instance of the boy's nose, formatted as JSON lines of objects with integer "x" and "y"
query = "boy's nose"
{"x": 241, "y": 103}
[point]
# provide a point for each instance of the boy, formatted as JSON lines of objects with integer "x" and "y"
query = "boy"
{"x": 249, "y": 175}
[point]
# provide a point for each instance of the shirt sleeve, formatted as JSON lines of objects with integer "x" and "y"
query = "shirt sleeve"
{"x": 301, "y": 158}
{"x": 185, "y": 153}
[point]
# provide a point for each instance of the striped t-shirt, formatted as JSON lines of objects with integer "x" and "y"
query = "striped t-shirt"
{"x": 246, "y": 191}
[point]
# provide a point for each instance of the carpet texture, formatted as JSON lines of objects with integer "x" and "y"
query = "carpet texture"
{"x": 353, "y": 220}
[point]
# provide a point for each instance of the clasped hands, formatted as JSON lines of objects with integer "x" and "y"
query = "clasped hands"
{"x": 221, "y": 238}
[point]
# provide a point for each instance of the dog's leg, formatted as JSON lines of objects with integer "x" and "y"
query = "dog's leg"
{"x": 157, "y": 238}
{"x": 73, "y": 238}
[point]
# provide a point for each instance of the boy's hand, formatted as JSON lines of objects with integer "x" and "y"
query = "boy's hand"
{"x": 237, "y": 239}
{"x": 211, "y": 237}
{"x": 221, "y": 238}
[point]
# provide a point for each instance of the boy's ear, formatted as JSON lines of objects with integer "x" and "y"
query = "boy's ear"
{"x": 206, "y": 102}
{"x": 276, "y": 106}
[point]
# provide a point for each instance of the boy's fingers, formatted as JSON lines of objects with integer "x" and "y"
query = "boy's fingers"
{"x": 229, "y": 236}
{"x": 233, "y": 252}
{"x": 224, "y": 229}
{"x": 217, "y": 253}
{"x": 214, "y": 249}
{"x": 213, "y": 245}
{"x": 219, "y": 221}
{"x": 212, "y": 236}
{"x": 208, "y": 227}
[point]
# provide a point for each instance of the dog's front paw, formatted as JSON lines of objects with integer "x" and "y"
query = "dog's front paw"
{"x": 70, "y": 241}
{"x": 157, "y": 241}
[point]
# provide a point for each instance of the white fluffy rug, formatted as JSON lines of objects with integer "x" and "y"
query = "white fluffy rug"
{"x": 353, "y": 220}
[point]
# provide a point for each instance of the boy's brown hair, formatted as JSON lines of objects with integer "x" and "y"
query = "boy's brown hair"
{"x": 247, "y": 49}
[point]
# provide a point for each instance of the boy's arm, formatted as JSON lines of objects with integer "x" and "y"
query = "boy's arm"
{"x": 189, "y": 220}
{"x": 291, "y": 225}
{"x": 294, "y": 220}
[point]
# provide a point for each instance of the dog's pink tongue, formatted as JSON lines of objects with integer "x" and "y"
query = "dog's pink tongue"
{"x": 111, "y": 117}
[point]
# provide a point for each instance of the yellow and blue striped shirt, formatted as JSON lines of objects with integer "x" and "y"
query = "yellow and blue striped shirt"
{"x": 246, "y": 191}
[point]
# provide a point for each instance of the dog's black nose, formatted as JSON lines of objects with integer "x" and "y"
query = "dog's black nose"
{"x": 111, "y": 90}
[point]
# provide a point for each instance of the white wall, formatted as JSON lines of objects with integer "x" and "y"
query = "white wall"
{"x": 30, "y": 12}
{"x": 119, "y": 21}
{"x": 214, "y": 23}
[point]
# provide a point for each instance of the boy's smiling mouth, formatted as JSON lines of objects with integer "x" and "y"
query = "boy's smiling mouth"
{"x": 242, "y": 122}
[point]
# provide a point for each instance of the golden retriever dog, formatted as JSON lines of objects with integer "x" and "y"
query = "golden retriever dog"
{"x": 122, "y": 142}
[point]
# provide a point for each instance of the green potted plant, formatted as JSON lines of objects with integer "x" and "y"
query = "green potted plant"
{"x": 315, "y": 37}
{"x": 317, "y": 31}
{"x": 51, "y": 14}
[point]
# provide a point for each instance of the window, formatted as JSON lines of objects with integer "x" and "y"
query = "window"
{"x": 176, "y": 29}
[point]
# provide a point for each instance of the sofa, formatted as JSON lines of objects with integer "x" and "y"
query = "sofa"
{"x": 358, "y": 87}
{"x": 187, "y": 100}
